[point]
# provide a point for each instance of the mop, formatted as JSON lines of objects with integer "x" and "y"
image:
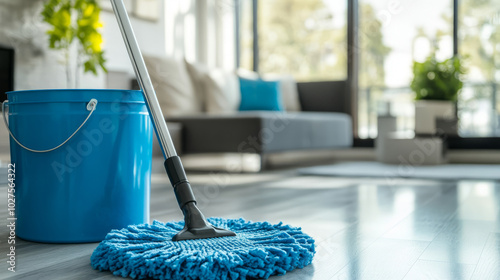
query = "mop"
{"x": 196, "y": 248}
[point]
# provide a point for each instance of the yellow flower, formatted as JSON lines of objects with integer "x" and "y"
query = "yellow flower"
{"x": 89, "y": 10}
{"x": 96, "y": 41}
{"x": 97, "y": 24}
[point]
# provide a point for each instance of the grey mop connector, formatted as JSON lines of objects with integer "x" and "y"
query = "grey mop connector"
{"x": 195, "y": 224}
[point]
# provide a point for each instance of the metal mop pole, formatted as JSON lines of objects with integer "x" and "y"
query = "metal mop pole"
{"x": 196, "y": 226}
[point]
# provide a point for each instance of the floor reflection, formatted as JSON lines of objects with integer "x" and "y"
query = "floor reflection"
{"x": 449, "y": 230}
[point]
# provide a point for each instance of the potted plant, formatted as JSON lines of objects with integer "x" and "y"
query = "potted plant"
{"x": 436, "y": 85}
{"x": 76, "y": 21}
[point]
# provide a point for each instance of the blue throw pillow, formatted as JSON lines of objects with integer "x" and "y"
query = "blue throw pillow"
{"x": 260, "y": 95}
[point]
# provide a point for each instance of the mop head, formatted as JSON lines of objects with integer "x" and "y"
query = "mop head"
{"x": 258, "y": 250}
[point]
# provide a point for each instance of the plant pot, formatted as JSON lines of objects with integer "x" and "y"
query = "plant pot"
{"x": 427, "y": 111}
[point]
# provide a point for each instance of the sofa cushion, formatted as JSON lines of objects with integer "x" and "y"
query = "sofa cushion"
{"x": 197, "y": 73}
{"x": 265, "y": 132}
{"x": 247, "y": 74}
{"x": 222, "y": 91}
{"x": 289, "y": 91}
{"x": 260, "y": 95}
{"x": 173, "y": 86}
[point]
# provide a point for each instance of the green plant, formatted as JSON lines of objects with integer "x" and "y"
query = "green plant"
{"x": 434, "y": 80}
{"x": 76, "y": 20}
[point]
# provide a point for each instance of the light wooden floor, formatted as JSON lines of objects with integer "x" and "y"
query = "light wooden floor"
{"x": 364, "y": 228}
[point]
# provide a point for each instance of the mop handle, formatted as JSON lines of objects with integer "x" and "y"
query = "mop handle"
{"x": 141, "y": 72}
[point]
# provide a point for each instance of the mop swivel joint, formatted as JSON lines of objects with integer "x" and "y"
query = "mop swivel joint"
{"x": 195, "y": 223}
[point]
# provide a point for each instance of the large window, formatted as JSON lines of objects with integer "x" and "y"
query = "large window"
{"x": 308, "y": 39}
{"x": 393, "y": 34}
{"x": 246, "y": 34}
{"x": 305, "y": 38}
{"x": 479, "y": 42}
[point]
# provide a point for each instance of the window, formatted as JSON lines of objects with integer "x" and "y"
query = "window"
{"x": 246, "y": 34}
{"x": 304, "y": 38}
{"x": 392, "y": 34}
{"x": 479, "y": 42}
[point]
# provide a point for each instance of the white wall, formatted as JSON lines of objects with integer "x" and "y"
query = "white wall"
{"x": 38, "y": 67}
{"x": 149, "y": 34}
{"x": 180, "y": 29}
{"x": 215, "y": 33}
{"x": 200, "y": 30}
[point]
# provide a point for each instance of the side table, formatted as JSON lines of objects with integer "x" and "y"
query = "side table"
{"x": 406, "y": 148}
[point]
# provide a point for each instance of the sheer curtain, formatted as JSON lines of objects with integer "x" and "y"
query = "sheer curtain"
{"x": 202, "y": 31}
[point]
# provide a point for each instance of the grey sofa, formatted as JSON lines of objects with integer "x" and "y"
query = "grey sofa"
{"x": 323, "y": 124}
{"x": 265, "y": 132}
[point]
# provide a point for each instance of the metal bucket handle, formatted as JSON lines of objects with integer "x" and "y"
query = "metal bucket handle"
{"x": 91, "y": 105}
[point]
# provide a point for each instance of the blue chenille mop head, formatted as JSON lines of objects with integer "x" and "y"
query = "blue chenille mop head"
{"x": 258, "y": 250}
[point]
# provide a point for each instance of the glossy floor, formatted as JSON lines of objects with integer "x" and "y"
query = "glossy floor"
{"x": 364, "y": 228}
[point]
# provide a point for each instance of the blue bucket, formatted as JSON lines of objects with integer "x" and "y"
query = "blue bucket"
{"x": 97, "y": 181}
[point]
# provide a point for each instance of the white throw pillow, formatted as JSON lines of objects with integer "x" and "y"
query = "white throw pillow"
{"x": 247, "y": 74}
{"x": 222, "y": 91}
{"x": 197, "y": 72}
{"x": 289, "y": 91}
{"x": 173, "y": 86}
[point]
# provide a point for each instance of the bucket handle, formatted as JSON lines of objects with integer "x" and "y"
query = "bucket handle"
{"x": 91, "y": 105}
